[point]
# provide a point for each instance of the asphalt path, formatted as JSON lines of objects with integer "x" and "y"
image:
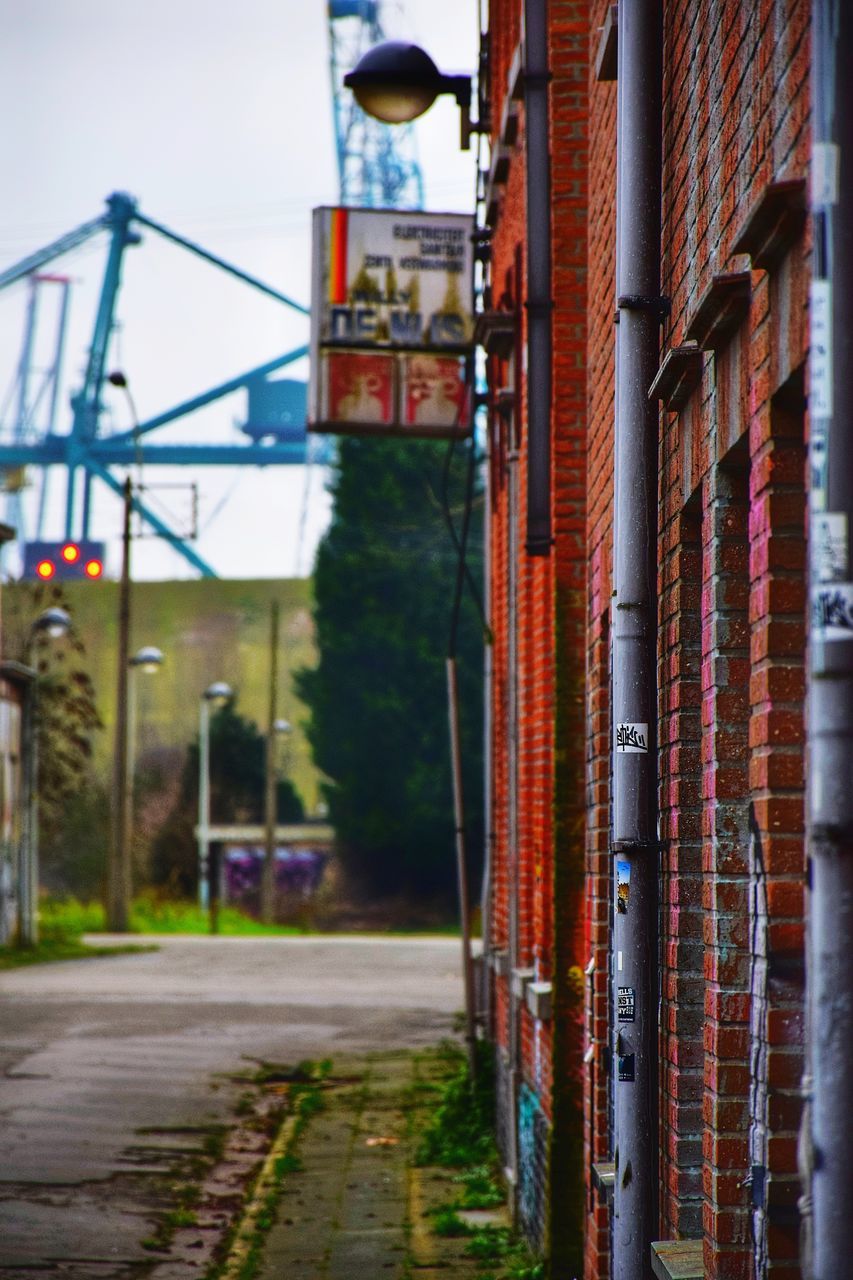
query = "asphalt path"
{"x": 111, "y": 1069}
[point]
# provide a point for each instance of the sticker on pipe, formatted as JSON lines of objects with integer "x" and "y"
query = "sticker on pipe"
{"x": 829, "y": 548}
{"x": 832, "y": 610}
{"x": 625, "y": 1067}
{"x": 820, "y": 350}
{"x": 632, "y": 738}
{"x": 626, "y": 1004}
{"x": 623, "y": 887}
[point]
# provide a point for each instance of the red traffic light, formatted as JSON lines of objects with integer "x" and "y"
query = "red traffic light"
{"x": 65, "y": 561}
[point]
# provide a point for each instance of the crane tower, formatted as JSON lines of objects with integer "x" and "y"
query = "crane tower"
{"x": 377, "y": 165}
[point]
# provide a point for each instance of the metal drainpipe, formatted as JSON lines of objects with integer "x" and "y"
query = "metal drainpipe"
{"x": 830, "y": 677}
{"x": 635, "y": 834}
{"x": 539, "y": 305}
{"x": 514, "y": 1027}
{"x": 485, "y": 986}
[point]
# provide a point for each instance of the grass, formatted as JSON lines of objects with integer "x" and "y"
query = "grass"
{"x": 151, "y": 914}
{"x": 60, "y": 948}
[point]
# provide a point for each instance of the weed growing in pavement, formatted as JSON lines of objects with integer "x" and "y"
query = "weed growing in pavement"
{"x": 446, "y": 1222}
{"x": 460, "y": 1130}
{"x": 242, "y": 1249}
{"x": 458, "y": 1135}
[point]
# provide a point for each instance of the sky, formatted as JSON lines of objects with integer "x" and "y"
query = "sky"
{"x": 217, "y": 118}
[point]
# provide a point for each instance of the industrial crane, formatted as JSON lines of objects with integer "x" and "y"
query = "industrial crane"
{"x": 279, "y": 437}
{"x": 377, "y": 167}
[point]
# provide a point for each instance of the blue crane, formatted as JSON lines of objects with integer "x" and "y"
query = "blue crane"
{"x": 279, "y": 438}
{"x": 377, "y": 165}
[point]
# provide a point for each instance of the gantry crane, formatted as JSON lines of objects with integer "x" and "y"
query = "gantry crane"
{"x": 84, "y": 451}
{"x": 377, "y": 165}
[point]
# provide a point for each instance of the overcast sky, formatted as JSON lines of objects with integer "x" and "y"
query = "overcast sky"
{"x": 218, "y": 118}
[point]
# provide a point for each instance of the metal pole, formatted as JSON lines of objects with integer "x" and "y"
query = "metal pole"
{"x": 29, "y": 874}
{"x": 461, "y": 869}
{"x": 268, "y": 872}
{"x": 118, "y": 899}
{"x": 635, "y": 834}
{"x": 539, "y": 304}
{"x": 830, "y": 677}
{"x": 203, "y": 801}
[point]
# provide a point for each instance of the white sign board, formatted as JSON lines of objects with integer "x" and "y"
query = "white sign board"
{"x": 391, "y": 322}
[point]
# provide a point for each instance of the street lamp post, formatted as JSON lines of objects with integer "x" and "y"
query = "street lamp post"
{"x": 118, "y": 877}
{"x": 149, "y": 660}
{"x": 53, "y": 623}
{"x": 216, "y": 694}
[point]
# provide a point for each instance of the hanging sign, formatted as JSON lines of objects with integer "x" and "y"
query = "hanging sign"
{"x": 391, "y": 323}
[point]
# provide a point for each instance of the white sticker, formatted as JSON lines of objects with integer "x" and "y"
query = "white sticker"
{"x": 829, "y": 547}
{"x": 820, "y": 353}
{"x": 632, "y": 738}
{"x": 825, "y": 168}
{"x": 832, "y": 610}
{"x": 619, "y": 961}
{"x": 818, "y": 464}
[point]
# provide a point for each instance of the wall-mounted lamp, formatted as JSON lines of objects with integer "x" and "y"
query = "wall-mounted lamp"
{"x": 396, "y": 82}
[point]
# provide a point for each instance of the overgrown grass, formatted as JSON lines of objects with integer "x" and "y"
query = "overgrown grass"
{"x": 151, "y": 914}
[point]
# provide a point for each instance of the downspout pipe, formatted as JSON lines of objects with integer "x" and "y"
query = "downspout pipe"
{"x": 539, "y": 302}
{"x": 830, "y": 673}
{"x": 634, "y": 820}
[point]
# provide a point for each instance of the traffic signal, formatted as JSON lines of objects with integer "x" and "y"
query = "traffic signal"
{"x": 63, "y": 561}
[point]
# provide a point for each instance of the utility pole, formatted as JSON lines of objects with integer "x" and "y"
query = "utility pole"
{"x": 634, "y": 824}
{"x": 119, "y": 877}
{"x": 830, "y": 675}
{"x": 268, "y": 872}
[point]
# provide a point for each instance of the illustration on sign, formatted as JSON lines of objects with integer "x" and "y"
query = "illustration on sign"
{"x": 400, "y": 283}
{"x": 625, "y": 1004}
{"x": 632, "y": 738}
{"x": 360, "y": 387}
{"x": 434, "y": 391}
{"x": 625, "y": 1066}
{"x": 623, "y": 887}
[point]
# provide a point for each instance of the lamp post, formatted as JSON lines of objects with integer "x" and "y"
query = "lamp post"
{"x": 149, "y": 660}
{"x": 216, "y": 695}
{"x": 52, "y": 623}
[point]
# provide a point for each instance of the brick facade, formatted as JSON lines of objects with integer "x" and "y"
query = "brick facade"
{"x": 731, "y": 559}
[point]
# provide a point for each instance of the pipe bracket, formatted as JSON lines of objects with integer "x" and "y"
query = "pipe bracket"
{"x": 660, "y": 306}
{"x": 638, "y": 846}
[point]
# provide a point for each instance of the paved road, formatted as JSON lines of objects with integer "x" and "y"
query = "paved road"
{"x": 113, "y": 1068}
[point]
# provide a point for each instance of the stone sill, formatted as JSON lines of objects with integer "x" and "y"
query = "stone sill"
{"x": 678, "y": 1260}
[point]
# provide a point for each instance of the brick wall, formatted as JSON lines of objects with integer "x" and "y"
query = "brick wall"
{"x": 538, "y": 749}
{"x": 731, "y": 542}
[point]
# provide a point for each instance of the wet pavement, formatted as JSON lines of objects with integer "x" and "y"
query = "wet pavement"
{"x": 122, "y": 1074}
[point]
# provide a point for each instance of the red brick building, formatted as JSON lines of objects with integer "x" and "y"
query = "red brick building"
{"x": 731, "y": 552}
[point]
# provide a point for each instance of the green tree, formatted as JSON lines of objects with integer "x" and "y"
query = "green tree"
{"x": 237, "y": 772}
{"x": 384, "y": 582}
{"x": 73, "y": 807}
